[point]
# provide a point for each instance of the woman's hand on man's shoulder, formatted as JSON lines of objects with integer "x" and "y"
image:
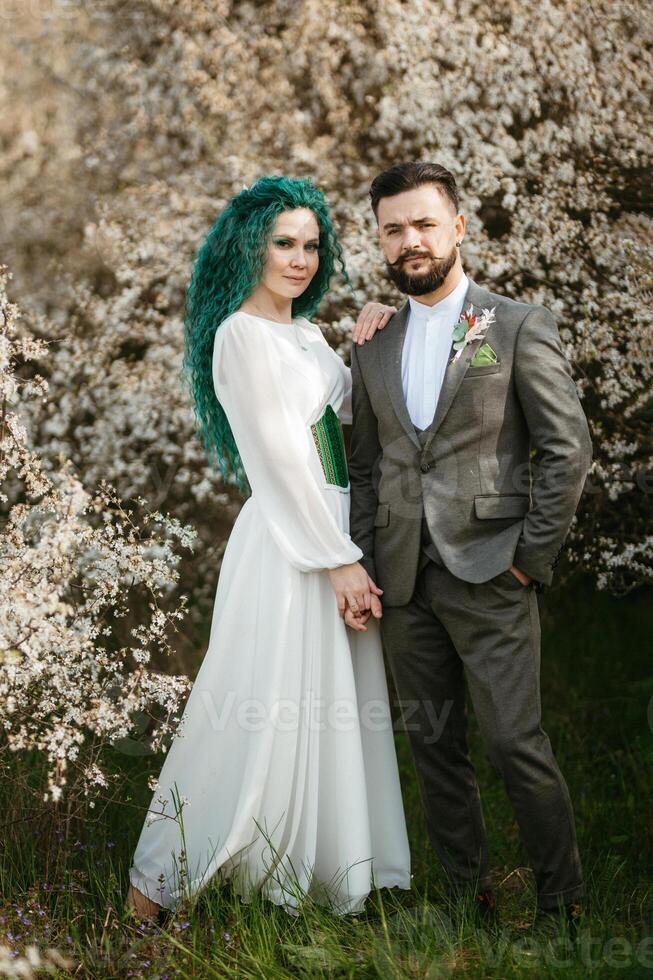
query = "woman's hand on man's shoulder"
{"x": 371, "y": 318}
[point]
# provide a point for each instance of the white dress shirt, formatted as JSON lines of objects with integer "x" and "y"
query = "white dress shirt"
{"x": 427, "y": 344}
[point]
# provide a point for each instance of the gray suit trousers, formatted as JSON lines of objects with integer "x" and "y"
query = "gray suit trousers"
{"x": 488, "y": 632}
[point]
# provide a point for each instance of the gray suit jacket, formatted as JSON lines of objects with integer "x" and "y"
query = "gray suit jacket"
{"x": 503, "y": 463}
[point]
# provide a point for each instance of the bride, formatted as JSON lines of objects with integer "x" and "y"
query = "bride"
{"x": 283, "y": 776}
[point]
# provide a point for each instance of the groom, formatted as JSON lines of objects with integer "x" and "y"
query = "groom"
{"x": 469, "y": 450}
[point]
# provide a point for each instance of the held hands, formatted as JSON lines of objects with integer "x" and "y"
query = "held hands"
{"x": 356, "y": 594}
{"x": 357, "y": 621}
{"x": 371, "y": 318}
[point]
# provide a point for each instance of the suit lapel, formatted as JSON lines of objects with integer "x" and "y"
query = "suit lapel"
{"x": 392, "y": 342}
{"x": 393, "y": 337}
{"x": 479, "y": 299}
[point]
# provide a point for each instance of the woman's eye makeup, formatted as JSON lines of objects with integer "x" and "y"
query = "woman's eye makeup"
{"x": 313, "y": 246}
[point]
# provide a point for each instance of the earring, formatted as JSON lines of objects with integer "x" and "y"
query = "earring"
{"x": 458, "y": 244}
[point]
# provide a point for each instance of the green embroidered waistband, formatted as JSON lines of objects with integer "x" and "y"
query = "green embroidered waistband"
{"x": 330, "y": 444}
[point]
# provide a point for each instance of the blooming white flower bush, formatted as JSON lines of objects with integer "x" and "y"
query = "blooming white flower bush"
{"x": 72, "y": 674}
{"x": 163, "y": 109}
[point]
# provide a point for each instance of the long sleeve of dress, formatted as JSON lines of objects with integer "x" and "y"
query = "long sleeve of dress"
{"x": 276, "y": 447}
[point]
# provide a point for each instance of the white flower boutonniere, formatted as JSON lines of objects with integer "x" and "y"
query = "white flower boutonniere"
{"x": 469, "y": 328}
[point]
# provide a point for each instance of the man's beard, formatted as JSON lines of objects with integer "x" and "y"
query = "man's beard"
{"x": 423, "y": 282}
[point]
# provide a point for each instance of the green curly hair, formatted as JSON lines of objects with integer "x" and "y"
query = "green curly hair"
{"x": 227, "y": 268}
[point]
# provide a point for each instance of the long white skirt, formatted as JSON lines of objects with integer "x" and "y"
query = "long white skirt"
{"x": 285, "y": 756}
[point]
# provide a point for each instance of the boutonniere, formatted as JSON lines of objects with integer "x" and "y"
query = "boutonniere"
{"x": 469, "y": 328}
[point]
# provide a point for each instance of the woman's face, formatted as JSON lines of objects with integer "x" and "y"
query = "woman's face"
{"x": 292, "y": 254}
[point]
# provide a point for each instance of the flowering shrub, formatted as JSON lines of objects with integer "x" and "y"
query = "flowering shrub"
{"x": 167, "y": 108}
{"x": 72, "y": 562}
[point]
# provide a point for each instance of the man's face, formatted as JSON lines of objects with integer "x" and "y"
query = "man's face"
{"x": 418, "y": 231}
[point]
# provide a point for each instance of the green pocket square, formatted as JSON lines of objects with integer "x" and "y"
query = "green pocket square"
{"x": 484, "y": 355}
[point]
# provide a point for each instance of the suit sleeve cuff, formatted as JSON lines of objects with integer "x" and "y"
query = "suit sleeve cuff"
{"x": 539, "y": 571}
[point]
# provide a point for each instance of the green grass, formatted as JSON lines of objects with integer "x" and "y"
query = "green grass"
{"x": 63, "y": 880}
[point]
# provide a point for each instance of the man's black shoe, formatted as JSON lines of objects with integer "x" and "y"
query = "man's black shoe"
{"x": 550, "y": 925}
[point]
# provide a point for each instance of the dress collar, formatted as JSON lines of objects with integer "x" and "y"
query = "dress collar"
{"x": 449, "y": 307}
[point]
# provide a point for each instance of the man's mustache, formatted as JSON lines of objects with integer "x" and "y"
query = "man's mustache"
{"x": 414, "y": 255}
{"x": 409, "y": 255}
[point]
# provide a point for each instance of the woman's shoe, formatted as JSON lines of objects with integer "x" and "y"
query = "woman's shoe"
{"x": 162, "y": 916}
{"x": 139, "y": 905}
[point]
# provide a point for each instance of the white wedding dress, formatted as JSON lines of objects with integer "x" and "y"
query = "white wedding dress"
{"x": 285, "y": 753}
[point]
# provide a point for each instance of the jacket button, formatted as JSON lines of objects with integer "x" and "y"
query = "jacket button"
{"x": 425, "y": 467}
